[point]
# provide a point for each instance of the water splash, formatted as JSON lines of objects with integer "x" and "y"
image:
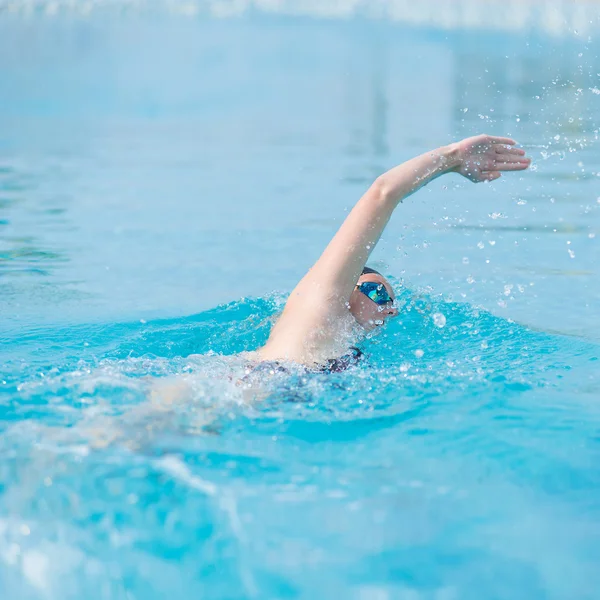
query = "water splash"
{"x": 140, "y": 462}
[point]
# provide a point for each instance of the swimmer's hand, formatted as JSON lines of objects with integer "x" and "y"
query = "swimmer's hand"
{"x": 484, "y": 157}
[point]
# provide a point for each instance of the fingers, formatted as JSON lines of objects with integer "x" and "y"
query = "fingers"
{"x": 491, "y": 175}
{"x": 511, "y": 166}
{"x": 510, "y": 158}
{"x": 509, "y": 150}
{"x": 502, "y": 140}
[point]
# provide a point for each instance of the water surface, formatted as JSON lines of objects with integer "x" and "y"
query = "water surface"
{"x": 164, "y": 183}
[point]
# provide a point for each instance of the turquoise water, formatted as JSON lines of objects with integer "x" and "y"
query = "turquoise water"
{"x": 164, "y": 182}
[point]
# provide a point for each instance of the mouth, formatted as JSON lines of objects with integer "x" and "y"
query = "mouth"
{"x": 378, "y": 322}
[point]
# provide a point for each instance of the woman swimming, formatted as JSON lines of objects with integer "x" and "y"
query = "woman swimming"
{"x": 339, "y": 299}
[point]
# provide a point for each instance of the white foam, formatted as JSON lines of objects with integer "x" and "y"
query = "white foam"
{"x": 178, "y": 469}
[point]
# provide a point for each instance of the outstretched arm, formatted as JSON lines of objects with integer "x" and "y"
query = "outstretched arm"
{"x": 480, "y": 158}
{"x": 324, "y": 291}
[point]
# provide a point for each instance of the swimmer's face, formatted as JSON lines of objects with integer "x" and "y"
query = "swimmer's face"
{"x": 368, "y": 313}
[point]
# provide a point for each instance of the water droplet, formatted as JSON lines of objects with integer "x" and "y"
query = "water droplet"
{"x": 439, "y": 320}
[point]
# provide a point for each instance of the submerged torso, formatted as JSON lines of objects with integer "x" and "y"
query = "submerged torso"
{"x": 257, "y": 370}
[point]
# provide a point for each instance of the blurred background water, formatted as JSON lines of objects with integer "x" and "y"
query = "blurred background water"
{"x": 158, "y": 161}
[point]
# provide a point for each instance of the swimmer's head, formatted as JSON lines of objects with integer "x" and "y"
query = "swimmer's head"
{"x": 371, "y": 305}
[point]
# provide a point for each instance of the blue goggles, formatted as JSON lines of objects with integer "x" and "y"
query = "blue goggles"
{"x": 376, "y": 292}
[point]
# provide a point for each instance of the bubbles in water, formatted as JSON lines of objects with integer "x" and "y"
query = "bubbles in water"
{"x": 439, "y": 320}
{"x": 419, "y": 353}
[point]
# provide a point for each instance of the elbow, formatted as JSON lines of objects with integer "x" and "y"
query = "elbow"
{"x": 383, "y": 191}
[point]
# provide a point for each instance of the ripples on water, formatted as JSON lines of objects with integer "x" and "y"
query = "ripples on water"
{"x": 153, "y": 167}
{"x": 447, "y": 462}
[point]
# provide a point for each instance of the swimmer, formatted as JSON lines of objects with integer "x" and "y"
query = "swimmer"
{"x": 339, "y": 299}
{"x": 331, "y": 308}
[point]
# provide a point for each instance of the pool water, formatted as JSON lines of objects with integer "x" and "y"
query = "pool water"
{"x": 165, "y": 180}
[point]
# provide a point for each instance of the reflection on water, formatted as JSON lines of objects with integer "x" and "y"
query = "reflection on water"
{"x": 268, "y": 119}
{"x": 24, "y": 254}
{"x": 170, "y": 166}
{"x": 30, "y": 255}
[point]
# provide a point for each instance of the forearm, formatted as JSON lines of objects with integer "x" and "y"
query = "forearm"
{"x": 344, "y": 258}
{"x": 367, "y": 220}
{"x": 324, "y": 292}
{"x": 405, "y": 179}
